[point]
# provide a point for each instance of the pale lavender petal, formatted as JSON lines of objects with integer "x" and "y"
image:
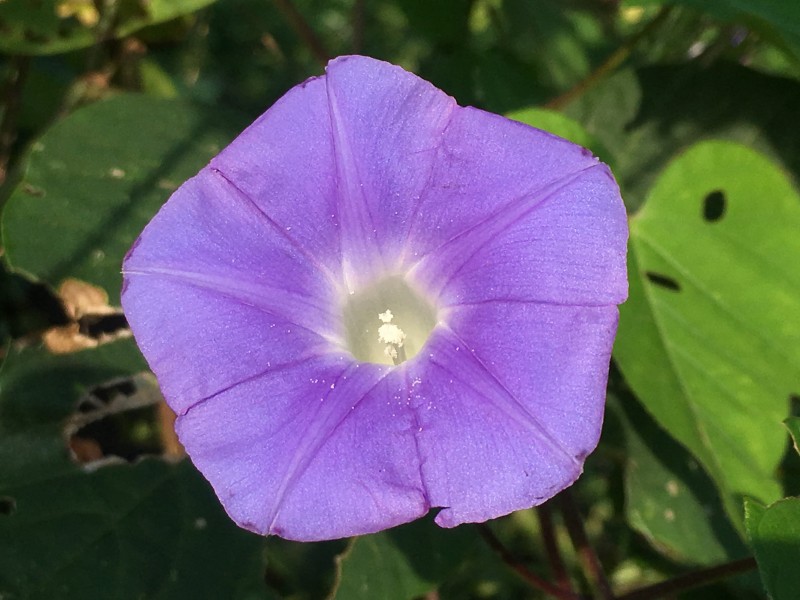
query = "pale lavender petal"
{"x": 387, "y": 126}
{"x": 210, "y": 277}
{"x": 510, "y": 401}
{"x": 318, "y": 450}
{"x": 483, "y": 165}
{"x": 565, "y": 244}
{"x": 284, "y": 162}
{"x": 211, "y": 235}
{"x": 184, "y": 330}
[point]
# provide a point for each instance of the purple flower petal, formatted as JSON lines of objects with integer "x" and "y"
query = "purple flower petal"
{"x": 366, "y": 191}
{"x": 484, "y": 165}
{"x": 211, "y": 277}
{"x": 564, "y": 244}
{"x": 323, "y": 445}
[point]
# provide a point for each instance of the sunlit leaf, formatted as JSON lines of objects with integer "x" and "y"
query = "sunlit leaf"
{"x": 710, "y": 337}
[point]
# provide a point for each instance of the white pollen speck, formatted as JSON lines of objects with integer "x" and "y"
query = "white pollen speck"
{"x": 386, "y": 317}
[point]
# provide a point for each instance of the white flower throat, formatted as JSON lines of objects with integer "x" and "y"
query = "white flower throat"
{"x": 387, "y": 322}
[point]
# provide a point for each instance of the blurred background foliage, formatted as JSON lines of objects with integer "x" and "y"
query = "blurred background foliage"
{"x": 106, "y": 106}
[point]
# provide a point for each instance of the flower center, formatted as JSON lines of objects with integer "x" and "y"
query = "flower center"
{"x": 387, "y": 322}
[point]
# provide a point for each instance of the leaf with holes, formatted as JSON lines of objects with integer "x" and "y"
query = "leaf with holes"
{"x": 150, "y": 529}
{"x": 710, "y": 337}
{"x": 96, "y": 178}
{"x": 774, "y": 533}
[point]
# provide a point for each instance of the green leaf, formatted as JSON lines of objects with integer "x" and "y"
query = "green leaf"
{"x": 774, "y": 532}
{"x": 54, "y": 26}
{"x": 402, "y": 563}
{"x": 95, "y": 179}
{"x": 669, "y": 498}
{"x": 709, "y": 339}
{"x": 562, "y": 126}
{"x": 151, "y": 529}
{"x": 793, "y": 425}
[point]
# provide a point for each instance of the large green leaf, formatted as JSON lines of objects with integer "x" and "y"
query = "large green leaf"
{"x": 402, "y": 563}
{"x": 774, "y": 532}
{"x": 710, "y": 337}
{"x": 95, "y": 179}
{"x": 151, "y": 529}
{"x": 52, "y": 26}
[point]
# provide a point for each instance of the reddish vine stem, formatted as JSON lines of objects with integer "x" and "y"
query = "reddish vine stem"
{"x": 529, "y": 576}
{"x": 587, "y": 557}
{"x": 692, "y": 580}
{"x": 554, "y": 558}
{"x": 303, "y": 30}
{"x": 619, "y": 56}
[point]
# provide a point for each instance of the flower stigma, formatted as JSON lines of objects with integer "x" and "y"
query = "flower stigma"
{"x": 394, "y": 338}
{"x": 383, "y": 340}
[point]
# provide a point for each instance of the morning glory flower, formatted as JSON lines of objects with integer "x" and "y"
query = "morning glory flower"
{"x": 376, "y": 302}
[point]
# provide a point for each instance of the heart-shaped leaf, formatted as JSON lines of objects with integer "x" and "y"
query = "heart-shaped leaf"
{"x": 710, "y": 337}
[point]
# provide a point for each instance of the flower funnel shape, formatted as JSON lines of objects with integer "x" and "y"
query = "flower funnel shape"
{"x": 376, "y": 302}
